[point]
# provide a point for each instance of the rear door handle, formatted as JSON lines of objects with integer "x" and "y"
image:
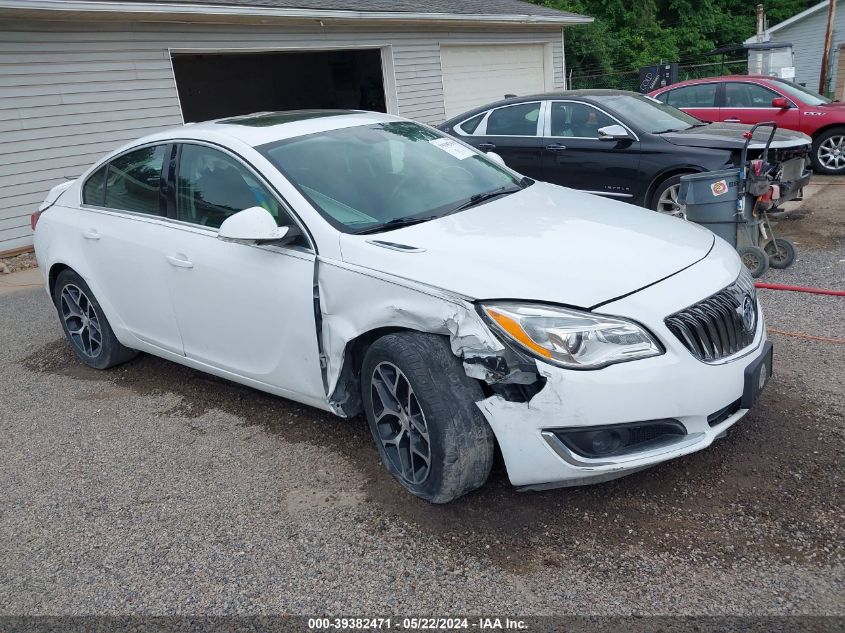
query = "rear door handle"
{"x": 556, "y": 147}
{"x": 731, "y": 120}
{"x": 180, "y": 261}
{"x": 486, "y": 147}
{"x": 91, "y": 234}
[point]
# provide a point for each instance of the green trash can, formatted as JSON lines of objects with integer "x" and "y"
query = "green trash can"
{"x": 710, "y": 199}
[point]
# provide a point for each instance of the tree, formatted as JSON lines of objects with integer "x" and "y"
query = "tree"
{"x": 627, "y": 35}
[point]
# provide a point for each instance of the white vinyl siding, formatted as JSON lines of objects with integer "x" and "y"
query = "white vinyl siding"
{"x": 73, "y": 91}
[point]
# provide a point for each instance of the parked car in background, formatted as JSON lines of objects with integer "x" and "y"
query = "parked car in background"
{"x": 360, "y": 262}
{"x": 753, "y": 99}
{"x": 618, "y": 144}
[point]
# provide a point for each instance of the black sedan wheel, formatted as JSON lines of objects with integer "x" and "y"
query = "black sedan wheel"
{"x": 665, "y": 198}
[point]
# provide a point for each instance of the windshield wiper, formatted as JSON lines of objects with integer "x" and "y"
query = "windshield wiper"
{"x": 484, "y": 197}
{"x": 395, "y": 224}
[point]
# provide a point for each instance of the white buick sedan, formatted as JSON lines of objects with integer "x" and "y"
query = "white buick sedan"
{"x": 359, "y": 262}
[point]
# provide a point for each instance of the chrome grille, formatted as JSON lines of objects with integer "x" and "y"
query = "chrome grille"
{"x": 718, "y": 326}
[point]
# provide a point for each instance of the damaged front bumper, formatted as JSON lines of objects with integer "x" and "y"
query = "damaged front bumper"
{"x": 699, "y": 400}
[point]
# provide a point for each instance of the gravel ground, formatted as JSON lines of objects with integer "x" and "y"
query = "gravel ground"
{"x": 154, "y": 489}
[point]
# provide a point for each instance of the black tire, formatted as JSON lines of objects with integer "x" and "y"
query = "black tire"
{"x": 781, "y": 252}
{"x": 662, "y": 188}
{"x": 460, "y": 442}
{"x": 754, "y": 259}
{"x": 106, "y": 353}
{"x": 825, "y": 146}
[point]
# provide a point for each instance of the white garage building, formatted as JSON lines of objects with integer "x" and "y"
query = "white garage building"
{"x": 80, "y": 77}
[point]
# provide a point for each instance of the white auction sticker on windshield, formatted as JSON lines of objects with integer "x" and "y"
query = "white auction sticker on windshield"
{"x": 452, "y": 147}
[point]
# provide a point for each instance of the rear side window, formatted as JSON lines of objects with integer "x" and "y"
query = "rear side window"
{"x": 94, "y": 191}
{"x": 131, "y": 182}
{"x": 697, "y": 96}
{"x": 516, "y": 120}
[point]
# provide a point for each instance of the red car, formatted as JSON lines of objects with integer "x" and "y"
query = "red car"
{"x": 753, "y": 99}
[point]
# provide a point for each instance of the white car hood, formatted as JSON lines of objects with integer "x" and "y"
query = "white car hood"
{"x": 545, "y": 243}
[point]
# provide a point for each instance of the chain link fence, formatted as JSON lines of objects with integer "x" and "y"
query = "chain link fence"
{"x": 630, "y": 79}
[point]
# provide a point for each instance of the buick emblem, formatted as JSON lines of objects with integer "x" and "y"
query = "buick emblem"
{"x": 749, "y": 318}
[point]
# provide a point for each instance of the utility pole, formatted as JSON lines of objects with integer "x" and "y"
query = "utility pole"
{"x": 761, "y": 24}
{"x": 828, "y": 37}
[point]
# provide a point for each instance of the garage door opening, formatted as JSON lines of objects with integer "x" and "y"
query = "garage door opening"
{"x": 218, "y": 85}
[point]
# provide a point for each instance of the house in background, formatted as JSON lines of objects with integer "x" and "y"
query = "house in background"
{"x": 78, "y": 78}
{"x": 805, "y": 31}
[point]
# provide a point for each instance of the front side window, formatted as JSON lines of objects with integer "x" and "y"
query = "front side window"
{"x": 696, "y": 96}
{"x": 130, "y": 182}
{"x": 573, "y": 119}
{"x": 649, "y": 115}
{"x": 745, "y": 95}
{"x": 367, "y": 177}
{"x": 211, "y": 186}
{"x": 516, "y": 120}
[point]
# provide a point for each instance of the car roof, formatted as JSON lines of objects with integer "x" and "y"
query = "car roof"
{"x": 691, "y": 82}
{"x": 260, "y": 128}
{"x": 588, "y": 94}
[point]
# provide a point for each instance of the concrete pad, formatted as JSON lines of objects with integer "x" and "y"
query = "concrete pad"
{"x": 21, "y": 280}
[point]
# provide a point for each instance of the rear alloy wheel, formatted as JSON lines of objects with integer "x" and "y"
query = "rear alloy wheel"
{"x": 829, "y": 152}
{"x": 754, "y": 259}
{"x": 85, "y": 324}
{"x": 665, "y": 198}
{"x": 422, "y": 412}
{"x": 781, "y": 252}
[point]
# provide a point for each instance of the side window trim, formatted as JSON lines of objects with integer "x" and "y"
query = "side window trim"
{"x": 482, "y": 124}
{"x": 548, "y": 123}
{"x": 283, "y": 204}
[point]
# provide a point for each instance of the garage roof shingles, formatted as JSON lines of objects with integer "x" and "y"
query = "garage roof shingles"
{"x": 454, "y": 7}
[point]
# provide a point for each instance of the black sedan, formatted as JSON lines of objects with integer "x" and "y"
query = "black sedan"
{"x": 619, "y": 144}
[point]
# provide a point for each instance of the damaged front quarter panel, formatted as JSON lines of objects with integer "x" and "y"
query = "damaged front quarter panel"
{"x": 357, "y": 306}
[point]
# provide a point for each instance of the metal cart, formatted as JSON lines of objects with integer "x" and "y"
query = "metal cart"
{"x": 733, "y": 203}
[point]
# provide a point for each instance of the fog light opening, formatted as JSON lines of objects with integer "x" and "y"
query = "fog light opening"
{"x": 620, "y": 439}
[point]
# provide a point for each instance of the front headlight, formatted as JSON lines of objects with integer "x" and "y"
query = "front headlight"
{"x": 571, "y": 338}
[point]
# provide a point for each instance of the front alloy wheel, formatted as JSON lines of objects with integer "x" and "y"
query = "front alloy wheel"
{"x": 830, "y": 153}
{"x": 421, "y": 409}
{"x": 400, "y": 423}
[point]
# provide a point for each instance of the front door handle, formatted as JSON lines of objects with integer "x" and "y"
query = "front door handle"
{"x": 180, "y": 261}
{"x": 486, "y": 147}
{"x": 556, "y": 147}
{"x": 91, "y": 234}
{"x": 732, "y": 121}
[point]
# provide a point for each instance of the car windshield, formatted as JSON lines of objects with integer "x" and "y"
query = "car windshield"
{"x": 800, "y": 92}
{"x": 376, "y": 177}
{"x": 650, "y": 115}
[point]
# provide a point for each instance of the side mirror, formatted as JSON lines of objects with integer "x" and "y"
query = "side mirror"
{"x": 253, "y": 225}
{"x": 496, "y": 158}
{"x": 613, "y": 133}
{"x": 780, "y": 102}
